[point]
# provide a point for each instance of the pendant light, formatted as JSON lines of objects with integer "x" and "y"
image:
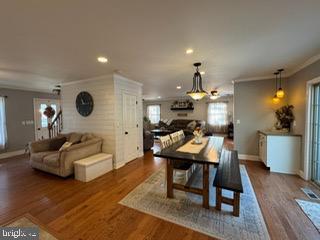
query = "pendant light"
{"x": 275, "y": 98}
{"x": 280, "y": 92}
{"x": 197, "y": 91}
{"x": 214, "y": 95}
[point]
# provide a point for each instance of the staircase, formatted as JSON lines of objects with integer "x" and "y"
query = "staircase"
{"x": 55, "y": 127}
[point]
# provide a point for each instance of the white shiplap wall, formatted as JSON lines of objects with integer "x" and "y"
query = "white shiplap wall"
{"x": 124, "y": 85}
{"x": 101, "y": 120}
{"x": 106, "y": 119}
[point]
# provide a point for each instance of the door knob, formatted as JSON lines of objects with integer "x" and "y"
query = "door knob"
{"x": 39, "y": 129}
{"x": 126, "y": 133}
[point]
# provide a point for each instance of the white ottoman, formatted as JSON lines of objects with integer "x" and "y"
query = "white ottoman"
{"x": 92, "y": 167}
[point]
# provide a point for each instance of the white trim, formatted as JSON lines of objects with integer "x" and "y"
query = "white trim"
{"x": 125, "y": 79}
{"x": 253, "y": 79}
{"x": 249, "y": 157}
{"x": 101, "y": 78}
{"x": 86, "y": 80}
{"x": 302, "y": 175}
{"x": 307, "y": 135}
{"x": 28, "y": 89}
{"x": 12, "y": 154}
{"x": 307, "y": 63}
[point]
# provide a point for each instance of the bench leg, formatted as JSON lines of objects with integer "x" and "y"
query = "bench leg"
{"x": 236, "y": 204}
{"x": 218, "y": 198}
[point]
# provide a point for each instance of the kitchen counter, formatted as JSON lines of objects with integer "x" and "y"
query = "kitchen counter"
{"x": 278, "y": 133}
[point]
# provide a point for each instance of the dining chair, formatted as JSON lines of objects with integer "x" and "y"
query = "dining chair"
{"x": 181, "y": 134}
{"x": 165, "y": 141}
{"x": 181, "y": 170}
{"x": 174, "y": 137}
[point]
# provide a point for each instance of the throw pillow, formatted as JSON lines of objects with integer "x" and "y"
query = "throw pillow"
{"x": 169, "y": 122}
{"x": 75, "y": 137}
{"x": 65, "y": 146}
{"x": 192, "y": 125}
{"x": 56, "y": 143}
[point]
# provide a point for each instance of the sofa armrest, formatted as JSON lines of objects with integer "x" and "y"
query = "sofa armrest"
{"x": 79, "y": 151}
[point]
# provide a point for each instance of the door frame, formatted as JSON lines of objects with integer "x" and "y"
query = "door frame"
{"x": 35, "y": 100}
{"x": 307, "y": 138}
{"x": 122, "y": 134}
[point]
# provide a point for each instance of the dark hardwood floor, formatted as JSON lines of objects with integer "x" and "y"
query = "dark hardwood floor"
{"x": 77, "y": 210}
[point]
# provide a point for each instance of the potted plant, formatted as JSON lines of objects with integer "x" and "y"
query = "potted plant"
{"x": 284, "y": 117}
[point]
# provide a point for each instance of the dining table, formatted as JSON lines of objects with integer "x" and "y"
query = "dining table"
{"x": 205, "y": 153}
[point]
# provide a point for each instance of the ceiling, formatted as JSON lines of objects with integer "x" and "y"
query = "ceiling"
{"x": 46, "y": 42}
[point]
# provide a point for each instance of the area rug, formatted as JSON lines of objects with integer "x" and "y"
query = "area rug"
{"x": 186, "y": 208}
{"x": 312, "y": 210}
{"x": 28, "y": 221}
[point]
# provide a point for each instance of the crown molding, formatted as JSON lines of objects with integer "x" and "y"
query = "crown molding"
{"x": 98, "y": 78}
{"x": 102, "y": 77}
{"x": 305, "y": 64}
{"x": 286, "y": 75}
{"x": 126, "y": 79}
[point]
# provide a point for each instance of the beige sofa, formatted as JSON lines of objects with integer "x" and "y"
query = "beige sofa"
{"x": 45, "y": 154}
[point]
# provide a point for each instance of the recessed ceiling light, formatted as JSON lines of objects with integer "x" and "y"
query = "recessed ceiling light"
{"x": 178, "y": 87}
{"x": 189, "y": 51}
{"x": 202, "y": 73}
{"x": 102, "y": 59}
{"x": 159, "y": 96}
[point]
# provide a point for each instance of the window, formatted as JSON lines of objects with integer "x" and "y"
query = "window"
{"x": 3, "y": 126}
{"x": 153, "y": 112}
{"x": 44, "y": 119}
{"x": 217, "y": 114}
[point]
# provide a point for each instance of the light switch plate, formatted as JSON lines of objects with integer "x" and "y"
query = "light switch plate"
{"x": 238, "y": 121}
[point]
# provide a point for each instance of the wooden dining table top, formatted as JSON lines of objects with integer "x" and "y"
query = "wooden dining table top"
{"x": 209, "y": 154}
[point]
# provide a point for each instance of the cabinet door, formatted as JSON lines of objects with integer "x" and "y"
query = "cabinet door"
{"x": 263, "y": 148}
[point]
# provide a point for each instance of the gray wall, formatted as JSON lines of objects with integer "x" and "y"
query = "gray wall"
{"x": 199, "y": 112}
{"x": 254, "y": 108}
{"x": 19, "y": 107}
{"x": 297, "y": 97}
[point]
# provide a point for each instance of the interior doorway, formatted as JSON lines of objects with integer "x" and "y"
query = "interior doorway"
{"x": 130, "y": 127}
{"x": 40, "y": 120}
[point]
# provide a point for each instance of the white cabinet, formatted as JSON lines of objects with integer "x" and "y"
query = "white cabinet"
{"x": 280, "y": 152}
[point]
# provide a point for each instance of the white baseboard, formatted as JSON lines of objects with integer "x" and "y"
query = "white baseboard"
{"x": 118, "y": 165}
{"x": 302, "y": 175}
{"x": 12, "y": 154}
{"x": 249, "y": 157}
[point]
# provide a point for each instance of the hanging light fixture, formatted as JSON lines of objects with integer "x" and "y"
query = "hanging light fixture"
{"x": 214, "y": 95}
{"x": 197, "y": 92}
{"x": 275, "y": 98}
{"x": 280, "y": 92}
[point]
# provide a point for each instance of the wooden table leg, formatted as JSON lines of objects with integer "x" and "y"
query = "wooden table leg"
{"x": 169, "y": 178}
{"x": 205, "y": 202}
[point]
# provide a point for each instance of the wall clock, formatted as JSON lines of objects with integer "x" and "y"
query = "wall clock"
{"x": 84, "y": 104}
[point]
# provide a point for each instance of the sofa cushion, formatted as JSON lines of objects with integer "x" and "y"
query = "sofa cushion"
{"x": 56, "y": 143}
{"x": 52, "y": 159}
{"x": 75, "y": 138}
{"x": 38, "y": 157}
{"x": 86, "y": 137}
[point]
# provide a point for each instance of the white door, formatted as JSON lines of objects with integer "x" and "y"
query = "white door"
{"x": 130, "y": 127}
{"x": 40, "y": 120}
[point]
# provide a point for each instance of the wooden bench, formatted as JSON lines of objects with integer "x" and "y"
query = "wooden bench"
{"x": 228, "y": 177}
